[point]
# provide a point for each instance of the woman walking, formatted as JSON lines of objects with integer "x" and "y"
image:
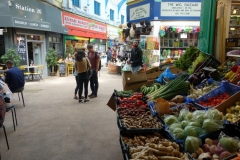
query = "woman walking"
{"x": 82, "y": 64}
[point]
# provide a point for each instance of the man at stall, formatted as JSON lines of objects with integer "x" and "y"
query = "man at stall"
{"x": 14, "y": 77}
{"x": 136, "y": 57}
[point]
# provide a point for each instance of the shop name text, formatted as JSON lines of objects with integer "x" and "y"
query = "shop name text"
{"x": 28, "y": 9}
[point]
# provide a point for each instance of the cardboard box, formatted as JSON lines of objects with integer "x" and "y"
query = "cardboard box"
{"x": 137, "y": 86}
{"x": 129, "y": 78}
{"x": 228, "y": 103}
{"x": 111, "y": 102}
{"x": 155, "y": 75}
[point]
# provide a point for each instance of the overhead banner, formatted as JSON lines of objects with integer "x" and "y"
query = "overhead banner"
{"x": 140, "y": 12}
{"x": 181, "y": 9}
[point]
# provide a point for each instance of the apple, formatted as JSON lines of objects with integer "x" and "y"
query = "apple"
{"x": 224, "y": 155}
{"x": 212, "y": 149}
{"x": 219, "y": 150}
{"x": 215, "y": 142}
{"x": 205, "y": 148}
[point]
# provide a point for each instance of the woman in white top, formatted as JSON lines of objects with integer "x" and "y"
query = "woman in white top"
{"x": 69, "y": 58}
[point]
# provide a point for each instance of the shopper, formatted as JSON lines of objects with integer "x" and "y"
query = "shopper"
{"x": 94, "y": 59}
{"x": 109, "y": 55}
{"x": 136, "y": 57}
{"x": 82, "y": 64}
{"x": 14, "y": 77}
{"x": 68, "y": 58}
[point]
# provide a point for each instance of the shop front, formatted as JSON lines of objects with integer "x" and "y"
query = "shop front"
{"x": 74, "y": 42}
{"x": 32, "y": 27}
{"x": 85, "y": 29}
{"x": 165, "y": 29}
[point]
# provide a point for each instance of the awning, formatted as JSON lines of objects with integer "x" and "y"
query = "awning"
{"x": 76, "y": 38}
{"x": 86, "y": 34}
{"x": 96, "y": 40}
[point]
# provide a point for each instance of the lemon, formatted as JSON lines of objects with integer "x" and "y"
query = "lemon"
{"x": 228, "y": 110}
{"x": 237, "y": 108}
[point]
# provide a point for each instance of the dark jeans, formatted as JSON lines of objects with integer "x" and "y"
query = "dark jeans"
{"x": 77, "y": 82}
{"x": 94, "y": 82}
{"x": 82, "y": 79}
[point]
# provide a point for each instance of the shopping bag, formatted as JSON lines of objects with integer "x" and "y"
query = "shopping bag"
{"x": 166, "y": 74}
{"x": 126, "y": 67}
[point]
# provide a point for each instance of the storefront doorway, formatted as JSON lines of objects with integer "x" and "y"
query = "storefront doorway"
{"x": 34, "y": 53}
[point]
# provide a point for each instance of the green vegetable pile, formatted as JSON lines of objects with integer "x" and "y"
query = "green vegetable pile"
{"x": 200, "y": 59}
{"x": 148, "y": 90}
{"x": 194, "y": 124}
{"x": 185, "y": 61}
{"x": 175, "y": 87}
{"x": 125, "y": 93}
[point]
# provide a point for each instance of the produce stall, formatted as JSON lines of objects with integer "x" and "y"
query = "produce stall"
{"x": 179, "y": 121}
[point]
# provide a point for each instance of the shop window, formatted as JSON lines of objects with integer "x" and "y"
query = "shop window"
{"x": 55, "y": 43}
{"x": 35, "y": 37}
{"x": 97, "y": 6}
{"x": 76, "y": 3}
{"x": 111, "y": 15}
{"x": 122, "y": 19}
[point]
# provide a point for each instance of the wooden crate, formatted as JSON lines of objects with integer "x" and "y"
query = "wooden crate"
{"x": 113, "y": 69}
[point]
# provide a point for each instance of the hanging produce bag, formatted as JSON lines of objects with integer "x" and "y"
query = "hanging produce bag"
{"x": 166, "y": 74}
{"x": 126, "y": 67}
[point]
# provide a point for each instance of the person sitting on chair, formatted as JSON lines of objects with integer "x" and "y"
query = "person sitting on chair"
{"x": 14, "y": 77}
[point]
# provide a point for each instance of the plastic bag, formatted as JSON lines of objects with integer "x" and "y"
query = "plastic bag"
{"x": 198, "y": 116}
{"x": 212, "y": 125}
{"x": 167, "y": 74}
{"x": 191, "y": 131}
{"x": 229, "y": 143}
{"x": 174, "y": 126}
{"x": 213, "y": 114}
{"x": 126, "y": 67}
{"x": 192, "y": 144}
{"x": 169, "y": 120}
{"x": 183, "y": 114}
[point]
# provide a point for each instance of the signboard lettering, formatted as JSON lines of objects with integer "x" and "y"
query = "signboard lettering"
{"x": 21, "y": 48}
{"x": 17, "y": 22}
{"x": 140, "y": 12}
{"x": 181, "y": 9}
{"x": 28, "y": 9}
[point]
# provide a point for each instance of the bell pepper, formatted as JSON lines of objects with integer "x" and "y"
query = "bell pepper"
{"x": 228, "y": 75}
{"x": 234, "y": 68}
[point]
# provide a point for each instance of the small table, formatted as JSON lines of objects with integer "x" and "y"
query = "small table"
{"x": 31, "y": 69}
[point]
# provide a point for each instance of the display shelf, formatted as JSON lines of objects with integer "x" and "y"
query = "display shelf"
{"x": 238, "y": 56}
{"x": 232, "y": 48}
{"x": 234, "y": 26}
{"x": 235, "y": 15}
{"x": 173, "y": 47}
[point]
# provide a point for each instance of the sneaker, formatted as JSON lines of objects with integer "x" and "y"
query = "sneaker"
{"x": 90, "y": 95}
{"x": 86, "y": 100}
{"x": 93, "y": 96}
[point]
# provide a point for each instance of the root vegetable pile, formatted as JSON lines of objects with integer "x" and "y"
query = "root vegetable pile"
{"x": 128, "y": 112}
{"x": 153, "y": 147}
{"x": 144, "y": 121}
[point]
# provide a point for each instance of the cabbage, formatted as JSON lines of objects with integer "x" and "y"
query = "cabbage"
{"x": 196, "y": 124}
{"x": 192, "y": 144}
{"x": 177, "y": 133}
{"x": 213, "y": 114}
{"x": 210, "y": 125}
{"x": 170, "y": 120}
{"x": 198, "y": 116}
{"x": 191, "y": 131}
{"x": 183, "y": 113}
{"x": 202, "y": 132}
{"x": 189, "y": 116}
{"x": 173, "y": 126}
{"x": 229, "y": 144}
{"x": 184, "y": 124}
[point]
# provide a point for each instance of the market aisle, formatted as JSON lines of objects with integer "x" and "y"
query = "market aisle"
{"x": 55, "y": 126}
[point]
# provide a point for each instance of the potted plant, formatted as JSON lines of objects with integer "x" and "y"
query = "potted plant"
{"x": 52, "y": 60}
{"x": 11, "y": 55}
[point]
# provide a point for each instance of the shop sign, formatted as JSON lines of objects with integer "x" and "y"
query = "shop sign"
{"x": 79, "y": 22}
{"x": 29, "y": 9}
{"x": 21, "y": 48}
{"x": 181, "y": 9}
{"x": 70, "y": 21}
{"x": 98, "y": 28}
{"x": 23, "y": 23}
{"x": 140, "y": 12}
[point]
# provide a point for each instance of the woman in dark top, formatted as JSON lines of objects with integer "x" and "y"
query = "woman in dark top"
{"x": 82, "y": 64}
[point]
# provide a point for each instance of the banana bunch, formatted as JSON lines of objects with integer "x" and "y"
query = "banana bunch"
{"x": 147, "y": 90}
